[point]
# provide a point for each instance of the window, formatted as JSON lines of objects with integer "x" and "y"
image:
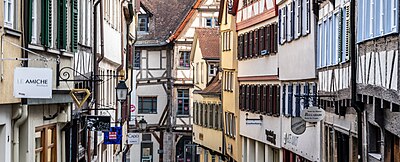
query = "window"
{"x": 262, "y": 41}
{"x": 147, "y": 105}
{"x": 201, "y": 72}
{"x": 46, "y": 143}
{"x": 33, "y": 22}
{"x": 211, "y": 115}
{"x": 184, "y": 59}
{"x": 197, "y": 73}
{"x": 143, "y": 22}
{"x": 294, "y": 20}
{"x": 292, "y": 103}
{"x": 228, "y": 81}
{"x": 146, "y": 152}
{"x": 378, "y": 18}
{"x": 212, "y": 69}
{"x": 183, "y": 102}
{"x": 9, "y": 13}
{"x": 136, "y": 61}
{"x": 209, "y": 22}
{"x": 230, "y": 124}
{"x": 260, "y": 99}
{"x": 342, "y": 145}
{"x": 226, "y": 38}
{"x": 374, "y": 142}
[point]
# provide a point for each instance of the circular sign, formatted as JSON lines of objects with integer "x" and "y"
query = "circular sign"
{"x": 313, "y": 114}
{"x": 298, "y": 125}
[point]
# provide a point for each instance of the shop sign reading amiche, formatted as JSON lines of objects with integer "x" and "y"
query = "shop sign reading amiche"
{"x": 313, "y": 114}
{"x": 32, "y": 82}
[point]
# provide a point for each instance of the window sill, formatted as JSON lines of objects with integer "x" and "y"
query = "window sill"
{"x": 12, "y": 32}
{"x": 377, "y": 156}
{"x": 182, "y": 116}
{"x": 182, "y": 68}
{"x": 50, "y": 50}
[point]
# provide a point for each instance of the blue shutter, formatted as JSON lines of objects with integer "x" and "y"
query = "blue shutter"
{"x": 280, "y": 26}
{"x": 388, "y": 16}
{"x": 283, "y": 99}
{"x": 394, "y": 11}
{"x": 323, "y": 51}
{"x": 297, "y": 108}
{"x": 334, "y": 39}
{"x": 367, "y": 19}
{"x": 307, "y": 93}
{"x": 329, "y": 42}
{"x": 290, "y": 99}
{"x": 319, "y": 46}
{"x": 360, "y": 20}
{"x": 377, "y": 18}
{"x": 344, "y": 32}
{"x": 314, "y": 92}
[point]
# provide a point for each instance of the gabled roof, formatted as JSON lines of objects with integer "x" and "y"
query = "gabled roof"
{"x": 182, "y": 25}
{"x": 208, "y": 39}
{"x": 167, "y": 15}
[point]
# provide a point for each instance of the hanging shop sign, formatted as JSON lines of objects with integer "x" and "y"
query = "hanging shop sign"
{"x": 271, "y": 136}
{"x": 298, "y": 125}
{"x": 98, "y": 123}
{"x": 113, "y": 136}
{"x": 133, "y": 138}
{"x": 33, "y": 82}
{"x": 313, "y": 114}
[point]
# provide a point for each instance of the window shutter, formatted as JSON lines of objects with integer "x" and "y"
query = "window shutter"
{"x": 248, "y": 99}
{"x": 250, "y": 54}
{"x": 307, "y": 24}
{"x": 277, "y": 99}
{"x": 394, "y": 15}
{"x": 280, "y": 21}
{"x": 246, "y": 48}
{"x": 340, "y": 35}
{"x": 284, "y": 22}
{"x": 252, "y": 98}
{"x": 270, "y": 100}
{"x": 273, "y": 99}
{"x": 240, "y": 97}
{"x": 315, "y": 92}
{"x": 195, "y": 113}
{"x": 297, "y": 108}
{"x": 372, "y": 19}
{"x": 46, "y": 23}
{"x": 261, "y": 101}
{"x": 62, "y": 24}
{"x": 260, "y": 40}
{"x": 255, "y": 42}
{"x": 272, "y": 38}
{"x": 293, "y": 17}
{"x": 30, "y": 21}
{"x": 307, "y": 93}
{"x": 257, "y": 105}
{"x": 289, "y": 21}
{"x": 267, "y": 39}
{"x": 290, "y": 99}
{"x": 74, "y": 25}
{"x": 284, "y": 99}
{"x": 298, "y": 18}
{"x": 241, "y": 47}
{"x": 347, "y": 32}
{"x": 240, "y": 43}
{"x": 275, "y": 38}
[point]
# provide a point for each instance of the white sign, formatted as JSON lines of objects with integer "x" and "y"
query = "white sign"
{"x": 33, "y": 82}
{"x": 313, "y": 114}
{"x": 133, "y": 138}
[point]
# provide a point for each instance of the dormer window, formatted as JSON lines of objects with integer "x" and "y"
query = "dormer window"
{"x": 143, "y": 22}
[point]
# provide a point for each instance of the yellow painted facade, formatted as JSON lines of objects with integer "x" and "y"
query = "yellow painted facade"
{"x": 229, "y": 63}
{"x": 9, "y": 36}
{"x": 208, "y": 139}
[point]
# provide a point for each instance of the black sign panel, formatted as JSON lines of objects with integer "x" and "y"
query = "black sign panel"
{"x": 271, "y": 136}
{"x": 98, "y": 123}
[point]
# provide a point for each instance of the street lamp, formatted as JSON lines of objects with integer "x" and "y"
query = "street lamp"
{"x": 122, "y": 91}
{"x": 142, "y": 124}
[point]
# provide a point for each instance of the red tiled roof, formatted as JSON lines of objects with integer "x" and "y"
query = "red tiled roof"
{"x": 209, "y": 42}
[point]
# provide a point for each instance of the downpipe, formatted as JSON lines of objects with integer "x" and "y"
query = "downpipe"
{"x": 22, "y": 115}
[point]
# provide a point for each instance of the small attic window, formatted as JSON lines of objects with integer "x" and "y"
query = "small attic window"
{"x": 143, "y": 22}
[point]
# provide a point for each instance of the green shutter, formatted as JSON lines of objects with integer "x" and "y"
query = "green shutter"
{"x": 46, "y": 23}
{"x": 74, "y": 25}
{"x": 29, "y": 18}
{"x": 62, "y": 24}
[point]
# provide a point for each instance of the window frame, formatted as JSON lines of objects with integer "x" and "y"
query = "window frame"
{"x": 181, "y": 96}
{"x": 9, "y": 13}
{"x": 44, "y": 142}
{"x": 184, "y": 56}
{"x": 154, "y": 102}
{"x": 146, "y": 25}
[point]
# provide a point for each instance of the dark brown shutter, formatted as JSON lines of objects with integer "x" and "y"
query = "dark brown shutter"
{"x": 275, "y": 38}
{"x": 251, "y": 44}
{"x": 239, "y": 51}
{"x": 257, "y": 105}
{"x": 278, "y": 99}
{"x": 267, "y": 37}
{"x": 270, "y": 100}
{"x": 271, "y": 38}
{"x": 261, "y": 40}
{"x": 264, "y": 99}
{"x": 248, "y": 97}
{"x": 241, "y": 97}
{"x": 255, "y": 42}
{"x": 246, "y": 47}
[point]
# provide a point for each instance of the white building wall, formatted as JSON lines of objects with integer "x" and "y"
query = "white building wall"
{"x": 5, "y": 133}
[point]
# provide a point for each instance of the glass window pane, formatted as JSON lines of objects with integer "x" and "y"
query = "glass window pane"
{"x": 38, "y": 139}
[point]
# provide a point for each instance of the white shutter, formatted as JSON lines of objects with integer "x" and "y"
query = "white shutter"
{"x": 382, "y": 17}
{"x": 371, "y": 15}
{"x": 307, "y": 17}
{"x": 289, "y": 22}
{"x": 298, "y": 17}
